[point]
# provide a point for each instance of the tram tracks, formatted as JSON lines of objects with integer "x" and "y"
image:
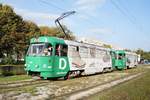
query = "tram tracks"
{"x": 14, "y": 84}
{"x": 85, "y": 92}
{"x": 8, "y": 86}
{"x": 62, "y": 89}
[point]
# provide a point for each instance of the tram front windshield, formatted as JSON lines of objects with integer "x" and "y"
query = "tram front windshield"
{"x": 42, "y": 49}
{"x": 121, "y": 56}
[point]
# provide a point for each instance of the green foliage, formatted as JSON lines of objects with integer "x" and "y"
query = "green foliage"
{"x": 31, "y": 30}
{"x": 107, "y": 46}
{"x": 14, "y": 78}
{"x": 8, "y": 60}
{"x": 144, "y": 54}
{"x": 10, "y": 29}
{"x": 15, "y": 33}
{"x": 56, "y": 32}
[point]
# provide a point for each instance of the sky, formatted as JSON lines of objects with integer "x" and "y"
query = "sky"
{"x": 122, "y": 23}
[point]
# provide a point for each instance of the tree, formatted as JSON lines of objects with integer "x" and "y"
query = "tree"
{"x": 15, "y": 33}
{"x": 56, "y": 32}
{"x": 107, "y": 46}
{"x": 10, "y": 29}
{"x": 31, "y": 30}
{"x": 140, "y": 52}
{"x": 144, "y": 54}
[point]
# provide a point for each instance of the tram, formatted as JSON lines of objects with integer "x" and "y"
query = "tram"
{"x": 51, "y": 57}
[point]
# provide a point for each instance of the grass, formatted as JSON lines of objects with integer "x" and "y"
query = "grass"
{"x": 135, "y": 70}
{"x": 136, "y": 89}
{"x": 12, "y": 65}
{"x": 14, "y": 78}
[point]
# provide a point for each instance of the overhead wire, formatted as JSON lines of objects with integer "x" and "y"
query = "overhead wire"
{"x": 90, "y": 20}
{"x": 51, "y": 4}
{"x": 122, "y": 11}
{"x": 129, "y": 13}
{"x": 132, "y": 15}
{"x": 63, "y": 10}
{"x": 125, "y": 12}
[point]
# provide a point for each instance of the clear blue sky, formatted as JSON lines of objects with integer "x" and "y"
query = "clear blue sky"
{"x": 124, "y": 23}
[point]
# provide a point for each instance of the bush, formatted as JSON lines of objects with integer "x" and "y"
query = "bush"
{"x": 8, "y": 60}
{"x": 19, "y": 62}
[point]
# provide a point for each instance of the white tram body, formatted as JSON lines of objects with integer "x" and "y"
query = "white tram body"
{"x": 132, "y": 59}
{"x": 88, "y": 57}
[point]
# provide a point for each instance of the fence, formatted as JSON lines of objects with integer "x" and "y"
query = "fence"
{"x": 7, "y": 70}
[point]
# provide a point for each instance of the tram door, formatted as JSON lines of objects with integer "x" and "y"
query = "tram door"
{"x": 61, "y": 64}
{"x": 113, "y": 57}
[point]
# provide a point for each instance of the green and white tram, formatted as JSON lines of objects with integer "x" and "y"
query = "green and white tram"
{"x": 123, "y": 60}
{"x": 118, "y": 59}
{"x": 51, "y": 57}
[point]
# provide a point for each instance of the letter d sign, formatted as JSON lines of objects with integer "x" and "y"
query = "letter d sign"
{"x": 62, "y": 63}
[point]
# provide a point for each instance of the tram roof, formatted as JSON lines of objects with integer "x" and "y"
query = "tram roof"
{"x": 119, "y": 51}
{"x": 47, "y": 39}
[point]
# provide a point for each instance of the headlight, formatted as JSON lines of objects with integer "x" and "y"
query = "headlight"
{"x": 44, "y": 65}
{"x": 49, "y": 66}
{"x": 36, "y": 66}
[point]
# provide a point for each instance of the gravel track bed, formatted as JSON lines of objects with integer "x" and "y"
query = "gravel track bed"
{"x": 21, "y": 84}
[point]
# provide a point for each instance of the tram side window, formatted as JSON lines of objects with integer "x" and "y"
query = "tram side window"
{"x": 113, "y": 54}
{"x": 83, "y": 51}
{"x": 61, "y": 50}
{"x": 92, "y": 52}
{"x": 48, "y": 50}
{"x": 121, "y": 56}
{"x": 73, "y": 51}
